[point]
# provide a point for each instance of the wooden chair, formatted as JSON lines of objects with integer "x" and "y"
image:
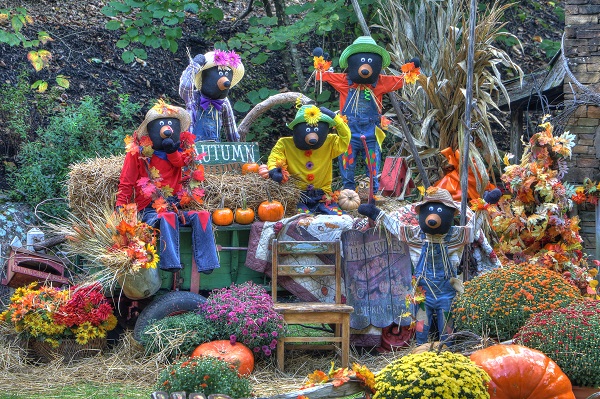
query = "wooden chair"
{"x": 337, "y": 314}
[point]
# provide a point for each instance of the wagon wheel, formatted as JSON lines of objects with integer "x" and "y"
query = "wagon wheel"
{"x": 170, "y": 304}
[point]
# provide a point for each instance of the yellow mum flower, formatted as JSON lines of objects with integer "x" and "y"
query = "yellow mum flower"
{"x": 312, "y": 115}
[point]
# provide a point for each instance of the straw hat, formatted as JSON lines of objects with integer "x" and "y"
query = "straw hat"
{"x": 310, "y": 114}
{"x": 164, "y": 110}
{"x": 364, "y": 44}
{"x": 436, "y": 194}
{"x": 225, "y": 59}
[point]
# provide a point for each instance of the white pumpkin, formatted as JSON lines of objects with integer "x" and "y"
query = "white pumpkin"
{"x": 348, "y": 200}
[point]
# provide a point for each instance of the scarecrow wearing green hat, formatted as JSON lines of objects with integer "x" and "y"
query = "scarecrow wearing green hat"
{"x": 361, "y": 91}
{"x": 307, "y": 156}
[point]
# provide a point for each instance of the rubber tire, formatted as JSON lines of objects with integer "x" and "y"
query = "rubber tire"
{"x": 169, "y": 304}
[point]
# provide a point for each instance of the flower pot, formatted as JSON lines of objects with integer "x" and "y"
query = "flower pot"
{"x": 141, "y": 284}
{"x": 68, "y": 349}
{"x": 585, "y": 392}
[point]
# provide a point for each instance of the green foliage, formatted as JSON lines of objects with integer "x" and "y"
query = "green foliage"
{"x": 205, "y": 374}
{"x": 179, "y": 334}
{"x": 80, "y": 132}
{"x": 507, "y": 39}
{"x": 154, "y": 23}
{"x": 550, "y": 48}
{"x": 18, "y": 20}
{"x": 14, "y": 111}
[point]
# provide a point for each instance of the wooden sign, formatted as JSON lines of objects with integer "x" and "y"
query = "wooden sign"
{"x": 377, "y": 274}
{"x": 227, "y": 156}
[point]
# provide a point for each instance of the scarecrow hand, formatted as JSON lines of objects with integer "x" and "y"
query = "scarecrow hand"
{"x": 369, "y": 210}
{"x": 492, "y": 196}
{"x": 416, "y": 61}
{"x": 276, "y": 175}
{"x": 327, "y": 112}
{"x": 170, "y": 146}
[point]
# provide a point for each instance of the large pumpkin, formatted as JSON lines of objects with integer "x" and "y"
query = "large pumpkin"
{"x": 237, "y": 354}
{"x": 518, "y": 372}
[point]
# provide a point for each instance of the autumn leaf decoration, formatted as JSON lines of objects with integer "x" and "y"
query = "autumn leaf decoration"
{"x": 411, "y": 72}
{"x": 340, "y": 376}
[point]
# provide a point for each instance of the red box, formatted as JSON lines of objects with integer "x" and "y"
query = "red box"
{"x": 24, "y": 267}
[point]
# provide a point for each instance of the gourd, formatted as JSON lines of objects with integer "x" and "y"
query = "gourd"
{"x": 249, "y": 168}
{"x": 518, "y": 372}
{"x": 236, "y": 354}
{"x": 348, "y": 200}
{"x": 263, "y": 171}
{"x": 222, "y": 216}
{"x": 270, "y": 210}
{"x": 244, "y": 215}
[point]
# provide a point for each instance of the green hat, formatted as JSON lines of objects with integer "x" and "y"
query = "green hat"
{"x": 310, "y": 114}
{"x": 364, "y": 44}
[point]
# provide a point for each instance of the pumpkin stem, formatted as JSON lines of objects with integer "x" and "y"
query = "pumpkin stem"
{"x": 244, "y": 203}
{"x": 268, "y": 192}
{"x": 222, "y": 205}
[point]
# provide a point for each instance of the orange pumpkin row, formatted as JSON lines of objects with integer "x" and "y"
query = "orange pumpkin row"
{"x": 268, "y": 211}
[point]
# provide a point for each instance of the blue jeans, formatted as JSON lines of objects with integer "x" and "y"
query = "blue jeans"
{"x": 208, "y": 125}
{"x": 363, "y": 116}
{"x": 204, "y": 248}
{"x": 439, "y": 295}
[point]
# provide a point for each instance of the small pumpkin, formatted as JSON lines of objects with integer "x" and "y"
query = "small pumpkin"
{"x": 348, "y": 200}
{"x": 236, "y": 354}
{"x": 244, "y": 215}
{"x": 518, "y": 372}
{"x": 270, "y": 210}
{"x": 222, "y": 216}
{"x": 263, "y": 171}
{"x": 249, "y": 168}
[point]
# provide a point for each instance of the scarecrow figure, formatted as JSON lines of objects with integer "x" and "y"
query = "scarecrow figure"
{"x": 361, "y": 91}
{"x": 436, "y": 248}
{"x": 162, "y": 173}
{"x": 204, "y": 86}
{"x": 307, "y": 156}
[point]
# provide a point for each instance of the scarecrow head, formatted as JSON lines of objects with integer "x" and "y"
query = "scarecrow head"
{"x": 364, "y": 60}
{"x": 436, "y": 211}
{"x": 163, "y": 124}
{"x": 219, "y": 72}
{"x": 311, "y": 127}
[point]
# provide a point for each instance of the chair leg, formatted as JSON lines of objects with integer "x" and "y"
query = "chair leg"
{"x": 346, "y": 340}
{"x": 280, "y": 352}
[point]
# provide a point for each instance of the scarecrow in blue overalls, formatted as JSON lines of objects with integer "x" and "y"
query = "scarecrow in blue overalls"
{"x": 436, "y": 248}
{"x": 204, "y": 86}
{"x": 361, "y": 91}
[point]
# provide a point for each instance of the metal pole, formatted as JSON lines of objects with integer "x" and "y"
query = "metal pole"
{"x": 411, "y": 144}
{"x": 464, "y": 162}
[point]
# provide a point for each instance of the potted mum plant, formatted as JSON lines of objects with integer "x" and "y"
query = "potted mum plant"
{"x": 68, "y": 322}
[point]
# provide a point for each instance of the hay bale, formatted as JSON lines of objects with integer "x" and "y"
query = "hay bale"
{"x": 94, "y": 183}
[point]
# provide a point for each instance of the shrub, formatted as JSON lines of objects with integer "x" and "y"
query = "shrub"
{"x": 570, "y": 336}
{"x": 429, "y": 375}
{"x": 244, "y": 313}
{"x": 205, "y": 374}
{"x": 166, "y": 334}
{"x": 80, "y": 132}
{"x": 499, "y": 302}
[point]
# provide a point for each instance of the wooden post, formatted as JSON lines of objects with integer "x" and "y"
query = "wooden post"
{"x": 516, "y": 132}
{"x": 597, "y": 249}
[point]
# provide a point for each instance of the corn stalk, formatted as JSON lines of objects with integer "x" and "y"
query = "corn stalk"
{"x": 435, "y": 31}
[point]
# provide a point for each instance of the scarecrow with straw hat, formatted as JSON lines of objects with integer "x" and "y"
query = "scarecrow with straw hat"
{"x": 436, "y": 248}
{"x": 361, "y": 89}
{"x": 307, "y": 157}
{"x": 162, "y": 174}
{"x": 204, "y": 86}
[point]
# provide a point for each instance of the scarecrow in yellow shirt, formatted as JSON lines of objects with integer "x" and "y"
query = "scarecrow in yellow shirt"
{"x": 307, "y": 156}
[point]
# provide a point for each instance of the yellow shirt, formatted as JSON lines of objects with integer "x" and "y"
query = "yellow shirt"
{"x": 312, "y": 167}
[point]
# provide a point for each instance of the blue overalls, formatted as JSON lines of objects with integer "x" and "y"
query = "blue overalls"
{"x": 363, "y": 115}
{"x": 433, "y": 272}
{"x": 208, "y": 124}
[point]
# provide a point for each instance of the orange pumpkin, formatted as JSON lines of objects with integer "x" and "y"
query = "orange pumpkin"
{"x": 249, "y": 168}
{"x": 244, "y": 215}
{"x": 518, "y": 372}
{"x": 270, "y": 211}
{"x": 263, "y": 171}
{"x": 237, "y": 354}
{"x": 222, "y": 216}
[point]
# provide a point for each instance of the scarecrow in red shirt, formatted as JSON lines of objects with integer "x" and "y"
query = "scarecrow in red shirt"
{"x": 361, "y": 91}
{"x": 162, "y": 174}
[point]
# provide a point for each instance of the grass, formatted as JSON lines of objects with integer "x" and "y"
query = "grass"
{"x": 82, "y": 390}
